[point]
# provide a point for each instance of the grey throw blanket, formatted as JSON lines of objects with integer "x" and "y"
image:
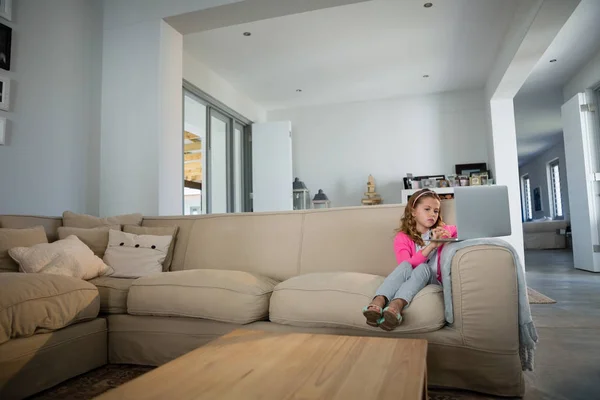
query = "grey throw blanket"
{"x": 527, "y": 333}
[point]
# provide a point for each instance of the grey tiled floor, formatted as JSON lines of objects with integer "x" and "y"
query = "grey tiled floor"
{"x": 567, "y": 364}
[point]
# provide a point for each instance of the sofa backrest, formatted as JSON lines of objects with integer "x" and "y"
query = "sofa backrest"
{"x": 285, "y": 244}
{"x": 280, "y": 244}
{"x": 50, "y": 224}
{"x": 262, "y": 243}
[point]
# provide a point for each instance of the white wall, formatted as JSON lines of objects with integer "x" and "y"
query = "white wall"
{"x": 336, "y": 147}
{"x": 212, "y": 83}
{"x": 586, "y": 78}
{"x": 50, "y": 163}
{"x": 537, "y": 169}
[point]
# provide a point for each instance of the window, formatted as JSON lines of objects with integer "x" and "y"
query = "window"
{"x": 217, "y": 164}
{"x": 526, "y": 193}
{"x": 555, "y": 188}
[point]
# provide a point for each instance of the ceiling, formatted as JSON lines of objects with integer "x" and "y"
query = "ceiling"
{"x": 576, "y": 43}
{"x": 537, "y": 121}
{"x": 538, "y": 103}
{"x": 370, "y": 50}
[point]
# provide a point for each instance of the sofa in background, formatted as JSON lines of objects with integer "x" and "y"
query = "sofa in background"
{"x": 298, "y": 271}
{"x": 545, "y": 234}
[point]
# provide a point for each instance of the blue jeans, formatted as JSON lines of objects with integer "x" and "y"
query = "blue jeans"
{"x": 405, "y": 282}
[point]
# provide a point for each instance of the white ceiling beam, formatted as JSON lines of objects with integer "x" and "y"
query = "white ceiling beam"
{"x": 247, "y": 11}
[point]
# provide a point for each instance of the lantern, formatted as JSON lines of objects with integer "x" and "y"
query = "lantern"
{"x": 301, "y": 195}
{"x": 320, "y": 200}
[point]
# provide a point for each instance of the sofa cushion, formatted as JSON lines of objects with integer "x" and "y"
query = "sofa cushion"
{"x": 132, "y": 256}
{"x": 69, "y": 257}
{"x": 94, "y": 238}
{"x": 336, "y": 299}
{"x": 220, "y": 295}
{"x": 32, "y": 303}
{"x": 50, "y": 224}
{"x": 10, "y": 238}
{"x": 113, "y": 293}
{"x": 157, "y": 231}
{"x": 89, "y": 221}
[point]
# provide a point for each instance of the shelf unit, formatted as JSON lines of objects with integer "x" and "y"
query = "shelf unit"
{"x": 409, "y": 192}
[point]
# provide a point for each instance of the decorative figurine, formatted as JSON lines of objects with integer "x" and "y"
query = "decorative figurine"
{"x": 371, "y": 196}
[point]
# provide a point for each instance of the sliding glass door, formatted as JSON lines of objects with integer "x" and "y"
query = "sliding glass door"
{"x": 216, "y": 166}
{"x": 217, "y": 178}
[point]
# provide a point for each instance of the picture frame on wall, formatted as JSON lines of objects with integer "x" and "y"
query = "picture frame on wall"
{"x": 5, "y": 46}
{"x": 4, "y": 93}
{"x": 6, "y": 9}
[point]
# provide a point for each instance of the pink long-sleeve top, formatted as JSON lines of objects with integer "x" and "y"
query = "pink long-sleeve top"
{"x": 406, "y": 250}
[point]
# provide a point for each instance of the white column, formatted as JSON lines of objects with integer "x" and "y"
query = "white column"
{"x": 170, "y": 152}
{"x": 141, "y": 133}
{"x": 504, "y": 139}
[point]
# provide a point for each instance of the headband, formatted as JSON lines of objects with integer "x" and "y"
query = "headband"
{"x": 422, "y": 193}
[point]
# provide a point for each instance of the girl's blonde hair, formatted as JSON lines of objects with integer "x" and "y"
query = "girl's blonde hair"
{"x": 408, "y": 224}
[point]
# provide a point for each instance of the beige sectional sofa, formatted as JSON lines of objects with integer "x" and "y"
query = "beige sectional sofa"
{"x": 305, "y": 271}
{"x": 545, "y": 234}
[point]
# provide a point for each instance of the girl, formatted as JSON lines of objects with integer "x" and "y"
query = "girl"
{"x": 417, "y": 257}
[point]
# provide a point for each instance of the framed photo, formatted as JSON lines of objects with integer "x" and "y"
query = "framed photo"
{"x": 5, "y": 46}
{"x": 428, "y": 183}
{"x": 6, "y": 9}
{"x": 4, "y": 93}
{"x": 474, "y": 180}
{"x": 480, "y": 174}
{"x": 537, "y": 199}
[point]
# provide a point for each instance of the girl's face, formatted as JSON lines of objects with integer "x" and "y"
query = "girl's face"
{"x": 426, "y": 213}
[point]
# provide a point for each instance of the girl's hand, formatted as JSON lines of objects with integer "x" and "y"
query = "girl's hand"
{"x": 440, "y": 233}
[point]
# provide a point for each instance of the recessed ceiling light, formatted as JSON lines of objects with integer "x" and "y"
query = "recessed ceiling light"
{"x": 553, "y": 60}
{"x": 298, "y": 90}
{"x": 428, "y": 5}
{"x": 247, "y": 34}
{"x": 425, "y": 76}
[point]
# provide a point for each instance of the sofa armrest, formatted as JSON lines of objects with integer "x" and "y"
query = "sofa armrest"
{"x": 484, "y": 298}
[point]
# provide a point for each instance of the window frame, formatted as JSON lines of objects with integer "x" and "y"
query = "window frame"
{"x": 235, "y": 119}
{"x": 554, "y": 190}
{"x": 526, "y": 197}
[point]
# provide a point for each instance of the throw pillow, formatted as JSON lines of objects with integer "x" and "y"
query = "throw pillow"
{"x": 132, "y": 256}
{"x": 69, "y": 257}
{"x": 95, "y": 238}
{"x": 158, "y": 231}
{"x": 10, "y": 238}
{"x": 75, "y": 220}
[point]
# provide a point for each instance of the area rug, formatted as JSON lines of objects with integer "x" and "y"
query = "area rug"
{"x": 93, "y": 383}
{"x": 100, "y": 380}
{"x": 536, "y": 297}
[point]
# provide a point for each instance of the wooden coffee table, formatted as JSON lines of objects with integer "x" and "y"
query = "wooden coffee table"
{"x": 249, "y": 364}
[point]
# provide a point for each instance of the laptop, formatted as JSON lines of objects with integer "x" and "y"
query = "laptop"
{"x": 481, "y": 212}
